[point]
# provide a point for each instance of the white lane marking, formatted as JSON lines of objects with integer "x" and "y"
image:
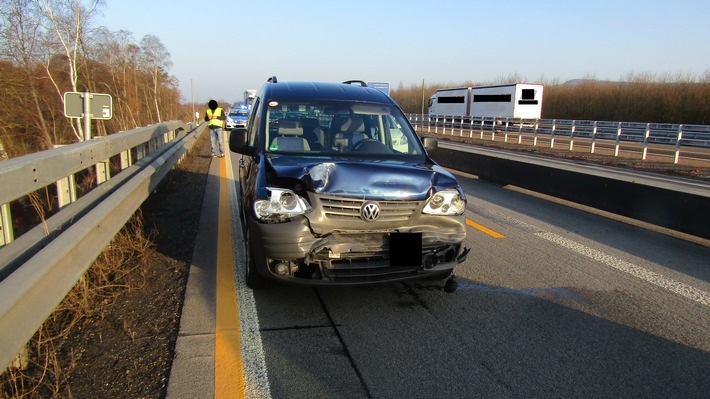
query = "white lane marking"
{"x": 256, "y": 376}
{"x": 666, "y": 283}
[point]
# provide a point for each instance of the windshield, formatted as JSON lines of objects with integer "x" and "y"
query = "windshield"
{"x": 339, "y": 128}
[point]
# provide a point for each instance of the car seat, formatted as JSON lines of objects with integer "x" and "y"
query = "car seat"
{"x": 347, "y": 130}
{"x": 312, "y": 133}
{"x": 290, "y": 137}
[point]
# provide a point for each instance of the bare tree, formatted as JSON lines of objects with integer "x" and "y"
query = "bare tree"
{"x": 119, "y": 54}
{"x": 66, "y": 21}
{"x": 19, "y": 41}
{"x": 156, "y": 59}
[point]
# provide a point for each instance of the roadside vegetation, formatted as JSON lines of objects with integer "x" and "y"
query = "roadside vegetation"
{"x": 636, "y": 98}
{"x": 48, "y": 48}
{"x": 43, "y": 370}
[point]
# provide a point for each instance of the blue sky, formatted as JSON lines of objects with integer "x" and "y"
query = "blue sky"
{"x": 221, "y": 48}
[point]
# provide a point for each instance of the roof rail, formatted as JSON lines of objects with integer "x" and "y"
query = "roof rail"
{"x": 360, "y": 82}
{"x": 272, "y": 79}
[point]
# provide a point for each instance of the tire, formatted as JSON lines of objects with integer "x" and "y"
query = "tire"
{"x": 253, "y": 279}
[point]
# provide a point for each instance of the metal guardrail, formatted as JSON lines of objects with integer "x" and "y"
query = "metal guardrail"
{"x": 39, "y": 268}
{"x": 531, "y": 130}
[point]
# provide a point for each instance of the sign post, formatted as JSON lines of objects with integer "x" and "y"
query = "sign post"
{"x": 88, "y": 106}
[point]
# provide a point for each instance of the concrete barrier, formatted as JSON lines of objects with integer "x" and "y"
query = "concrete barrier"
{"x": 671, "y": 202}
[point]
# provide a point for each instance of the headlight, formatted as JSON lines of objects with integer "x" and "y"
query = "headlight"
{"x": 446, "y": 202}
{"x": 281, "y": 205}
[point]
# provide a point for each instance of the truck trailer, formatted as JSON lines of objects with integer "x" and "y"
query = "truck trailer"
{"x": 249, "y": 97}
{"x": 518, "y": 100}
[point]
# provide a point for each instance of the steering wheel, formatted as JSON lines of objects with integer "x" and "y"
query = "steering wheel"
{"x": 370, "y": 145}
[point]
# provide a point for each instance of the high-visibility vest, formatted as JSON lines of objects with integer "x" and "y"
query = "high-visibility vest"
{"x": 215, "y": 122}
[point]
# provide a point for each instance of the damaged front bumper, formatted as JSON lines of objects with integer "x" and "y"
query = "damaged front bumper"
{"x": 326, "y": 253}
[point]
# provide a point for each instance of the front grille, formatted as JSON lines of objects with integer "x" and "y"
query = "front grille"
{"x": 374, "y": 265}
{"x": 366, "y": 269}
{"x": 349, "y": 209}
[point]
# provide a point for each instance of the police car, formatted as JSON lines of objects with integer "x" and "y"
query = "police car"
{"x": 237, "y": 117}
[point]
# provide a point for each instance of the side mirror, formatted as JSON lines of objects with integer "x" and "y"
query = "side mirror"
{"x": 430, "y": 143}
{"x": 238, "y": 142}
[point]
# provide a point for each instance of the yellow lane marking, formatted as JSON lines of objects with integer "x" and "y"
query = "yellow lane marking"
{"x": 484, "y": 229}
{"x": 228, "y": 370}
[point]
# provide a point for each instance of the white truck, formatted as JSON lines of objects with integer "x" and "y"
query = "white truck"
{"x": 518, "y": 100}
{"x": 249, "y": 97}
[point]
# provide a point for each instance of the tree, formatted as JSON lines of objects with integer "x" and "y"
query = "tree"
{"x": 20, "y": 44}
{"x": 48, "y": 47}
{"x": 66, "y": 21}
{"x": 156, "y": 59}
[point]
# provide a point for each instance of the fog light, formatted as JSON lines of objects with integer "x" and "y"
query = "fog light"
{"x": 281, "y": 269}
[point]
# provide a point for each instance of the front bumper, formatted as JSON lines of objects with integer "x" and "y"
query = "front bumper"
{"x": 294, "y": 252}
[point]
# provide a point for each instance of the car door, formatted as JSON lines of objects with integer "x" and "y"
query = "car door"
{"x": 249, "y": 164}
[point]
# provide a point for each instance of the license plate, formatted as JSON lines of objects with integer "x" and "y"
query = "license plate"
{"x": 405, "y": 249}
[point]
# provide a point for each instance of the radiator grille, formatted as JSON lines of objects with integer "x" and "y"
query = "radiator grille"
{"x": 348, "y": 209}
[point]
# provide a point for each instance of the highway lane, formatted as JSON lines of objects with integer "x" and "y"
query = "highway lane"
{"x": 567, "y": 303}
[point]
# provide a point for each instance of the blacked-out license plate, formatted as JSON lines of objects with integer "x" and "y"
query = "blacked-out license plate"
{"x": 405, "y": 249}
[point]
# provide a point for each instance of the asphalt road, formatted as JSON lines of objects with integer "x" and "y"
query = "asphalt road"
{"x": 567, "y": 303}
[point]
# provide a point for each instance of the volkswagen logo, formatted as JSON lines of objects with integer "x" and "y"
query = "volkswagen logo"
{"x": 369, "y": 212}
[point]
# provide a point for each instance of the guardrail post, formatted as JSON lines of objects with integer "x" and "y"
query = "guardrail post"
{"x": 677, "y": 144}
{"x": 461, "y": 127}
{"x": 537, "y": 126}
{"x": 470, "y": 128}
{"x": 6, "y": 233}
{"x": 571, "y": 135}
{"x": 618, "y": 140}
{"x": 552, "y": 133}
{"x": 141, "y": 151}
{"x": 594, "y": 138}
{"x": 103, "y": 171}
{"x": 645, "y": 141}
{"x": 505, "y": 134}
{"x": 66, "y": 191}
{"x": 125, "y": 159}
{"x": 481, "y": 128}
{"x": 520, "y": 131}
{"x": 493, "y": 129}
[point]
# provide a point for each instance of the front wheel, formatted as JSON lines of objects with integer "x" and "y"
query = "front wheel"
{"x": 253, "y": 279}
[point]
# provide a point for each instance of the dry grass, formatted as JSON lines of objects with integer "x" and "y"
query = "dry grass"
{"x": 44, "y": 375}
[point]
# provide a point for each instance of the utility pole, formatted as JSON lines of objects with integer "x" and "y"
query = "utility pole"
{"x": 422, "y": 97}
{"x": 192, "y": 94}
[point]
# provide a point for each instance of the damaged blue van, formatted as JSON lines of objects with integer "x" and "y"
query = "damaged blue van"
{"x": 336, "y": 188}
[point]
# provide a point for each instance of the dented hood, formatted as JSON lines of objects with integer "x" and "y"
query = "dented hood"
{"x": 364, "y": 178}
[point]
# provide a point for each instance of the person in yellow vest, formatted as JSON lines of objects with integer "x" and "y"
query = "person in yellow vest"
{"x": 215, "y": 117}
